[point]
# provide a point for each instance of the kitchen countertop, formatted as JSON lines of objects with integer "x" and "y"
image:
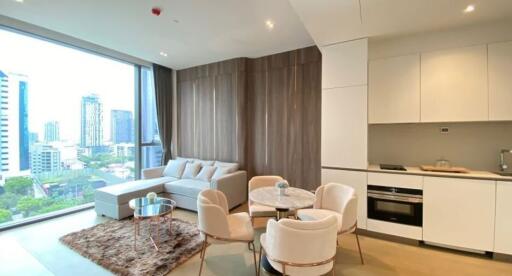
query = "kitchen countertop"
{"x": 484, "y": 175}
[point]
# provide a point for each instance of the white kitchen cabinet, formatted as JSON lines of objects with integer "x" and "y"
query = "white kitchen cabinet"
{"x": 345, "y": 64}
{"x": 355, "y": 179}
{"x": 454, "y": 85}
{"x": 394, "y": 90}
{"x": 500, "y": 81}
{"x": 503, "y": 227}
{"x": 459, "y": 212}
{"x": 344, "y": 127}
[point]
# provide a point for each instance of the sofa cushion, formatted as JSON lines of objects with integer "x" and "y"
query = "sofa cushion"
{"x": 190, "y": 160}
{"x": 220, "y": 172}
{"x": 191, "y": 170}
{"x": 230, "y": 167}
{"x": 174, "y": 168}
{"x": 122, "y": 193}
{"x": 186, "y": 187}
{"x": 206, "y": 173}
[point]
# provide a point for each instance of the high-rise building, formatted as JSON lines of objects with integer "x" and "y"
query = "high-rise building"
{"x": 4, "y": 122}
{"x": 126, "y": 150}
{"x": 121, "y": 126}
{"x": 23, "y": 125}
{"x": 91, "y": 131}
{"x": 14, "y": 134}
{"x": 51, "y": 131}
{"x": 44, "y": 158}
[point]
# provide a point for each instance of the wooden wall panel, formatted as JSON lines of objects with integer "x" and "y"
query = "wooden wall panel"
{"x": 204, "y": 123}
{"x": 265, "y": 114}
{"x": 214, "y": 127}
{"x": 284, "y": 112}
{"x": 257, "y": 90}
{"x": 225, "y": 117}
{"x": 186, "y": 134}
{"x": 311, "y": 74}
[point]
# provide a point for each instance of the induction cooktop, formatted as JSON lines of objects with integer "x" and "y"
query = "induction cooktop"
{"x": 392, "y": 167}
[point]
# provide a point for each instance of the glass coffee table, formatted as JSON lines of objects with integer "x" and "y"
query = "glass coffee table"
{"x": 156, "y": 211}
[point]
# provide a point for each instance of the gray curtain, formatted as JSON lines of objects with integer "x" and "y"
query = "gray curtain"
{"x": 163, "y": 96}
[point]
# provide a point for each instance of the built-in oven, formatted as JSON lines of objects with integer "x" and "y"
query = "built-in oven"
{"x": 398, "y": 205}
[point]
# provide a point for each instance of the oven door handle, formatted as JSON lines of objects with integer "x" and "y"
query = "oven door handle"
{"x": 396, "y": 198}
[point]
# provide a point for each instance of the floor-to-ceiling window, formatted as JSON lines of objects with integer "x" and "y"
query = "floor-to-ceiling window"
{"x": 67, "y": 125}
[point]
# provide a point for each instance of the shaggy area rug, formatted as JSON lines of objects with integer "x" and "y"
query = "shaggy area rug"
{"x": 110, "y": 245}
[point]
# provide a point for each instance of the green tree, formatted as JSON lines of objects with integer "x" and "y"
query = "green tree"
{"x": 57, "y": 205}
{"x": 20, "y": 185}
{"x": 5, "y": 215}
{"x": 8, "y": 200}
{"x": 88, "y": 195}
{"x": 27, "y": 205}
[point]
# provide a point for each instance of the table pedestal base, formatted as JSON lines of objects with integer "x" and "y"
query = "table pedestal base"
{"x": 282, "y": 213}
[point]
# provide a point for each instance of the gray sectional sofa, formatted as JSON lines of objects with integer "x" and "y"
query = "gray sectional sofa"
{"x": 180, "y": 180}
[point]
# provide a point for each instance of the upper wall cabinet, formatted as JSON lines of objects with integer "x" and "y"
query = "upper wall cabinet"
{"x": 394, "y": 90}
{"x": 344, "y": 127}
{"x": 345, "y": 64}
{"x": 500, "y": 81}
{"x": 454, "y": 85}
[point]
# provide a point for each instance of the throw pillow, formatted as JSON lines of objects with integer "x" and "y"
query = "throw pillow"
{"x": 206, "y": 173}
{"x": 219, "y": 172}
{"x": 190, "y": 160}
{"x": 230, "y": 167}
{"x": 174, "y": 168}
{"x": 191, "y": 170}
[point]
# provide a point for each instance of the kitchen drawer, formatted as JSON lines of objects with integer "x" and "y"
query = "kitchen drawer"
{"x": 396, "y": 180}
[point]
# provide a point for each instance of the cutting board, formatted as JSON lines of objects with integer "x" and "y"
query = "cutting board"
{"x": 431, "y": 168}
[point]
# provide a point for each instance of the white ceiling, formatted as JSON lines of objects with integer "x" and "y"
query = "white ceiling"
{"x": 208, "y": 30}
{"x": 331, "y": 21}
{"x": 213, "y": 30}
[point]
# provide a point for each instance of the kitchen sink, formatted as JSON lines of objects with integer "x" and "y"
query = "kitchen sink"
{"x": 504, "y": 173}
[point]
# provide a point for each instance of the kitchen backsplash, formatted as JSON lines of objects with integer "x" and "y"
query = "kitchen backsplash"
{"x": 475, "y": 145}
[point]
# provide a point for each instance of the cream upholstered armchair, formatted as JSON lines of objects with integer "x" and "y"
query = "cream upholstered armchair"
{"x": 296, "y": 247}
{"x": 218, "y": 226}
{"x": 258, "y": 210}
{"x": 338, "y": 200}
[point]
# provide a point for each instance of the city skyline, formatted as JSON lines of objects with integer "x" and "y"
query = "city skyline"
{"x": 56, "y": 91}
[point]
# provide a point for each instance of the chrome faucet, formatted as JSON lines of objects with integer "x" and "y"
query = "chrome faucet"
{"x": 504, "y": 166}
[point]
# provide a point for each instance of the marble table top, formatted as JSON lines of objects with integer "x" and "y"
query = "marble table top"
{"x": 295, "y": 198}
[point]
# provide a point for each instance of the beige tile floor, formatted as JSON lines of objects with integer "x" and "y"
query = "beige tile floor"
{"x": 35, "y": 250}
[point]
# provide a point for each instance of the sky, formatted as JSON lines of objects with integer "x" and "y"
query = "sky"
{"x": 58, "y": 77}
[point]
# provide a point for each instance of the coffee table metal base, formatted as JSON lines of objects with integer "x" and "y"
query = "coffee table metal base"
{"x": 152, "y": 221}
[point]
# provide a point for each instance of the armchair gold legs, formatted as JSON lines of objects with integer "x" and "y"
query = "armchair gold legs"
{"x": 359, "y": 247}
{"x": 205, "y": 245}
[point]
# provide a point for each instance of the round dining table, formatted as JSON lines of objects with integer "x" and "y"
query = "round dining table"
{"x": 293, "y": 199}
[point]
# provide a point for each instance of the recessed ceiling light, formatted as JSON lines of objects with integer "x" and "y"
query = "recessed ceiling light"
{"x": 19, "y": 1}
{"x": 269, "y": 24}
{"x": 469, "y": 8}
{"x": 164, "y": 54}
